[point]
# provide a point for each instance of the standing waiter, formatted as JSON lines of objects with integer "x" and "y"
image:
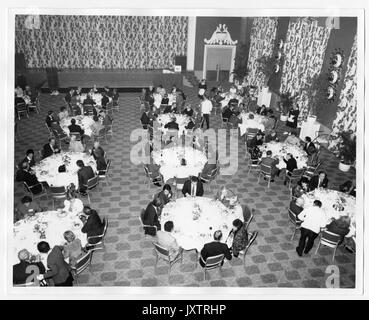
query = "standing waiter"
{"x": 206, "y": 107}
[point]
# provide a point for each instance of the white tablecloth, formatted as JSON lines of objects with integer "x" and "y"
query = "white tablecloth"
{"x": 332, "y": 199}
{"x": 169, "y": 161}
{"x": 47, "y": 169}
{"x": 181, "y": 119}
{"x": 281, "y": 149}
{"x": 26, "y": 237}
{"x": 256, "y": 123}
{"x": 196, "y": 219}
{"x": 85, "y": 122}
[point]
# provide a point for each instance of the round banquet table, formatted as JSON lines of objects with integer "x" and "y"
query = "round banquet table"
{"x": 27, "y": 237}
{"x": 47, "y": 169}
{"x": 85, "y": 122}
{"x": 181, "y": 119}
{"x": 256, "y": 123}
{"x": 169, "y": 161}
{"x": 196, "y": 219}
{"x": 331, "y": 199}
{"x": 281, "y": 149}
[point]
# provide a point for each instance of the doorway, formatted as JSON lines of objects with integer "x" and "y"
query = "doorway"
{"x": 219, "y": 62}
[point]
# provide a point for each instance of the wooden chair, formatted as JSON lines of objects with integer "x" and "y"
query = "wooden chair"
{"x": 99, "y": 239}
{"x": 330, "y": 240}
{"x": 21, "y": 108}
{"x": 295, "y": 222}
{"x": 253, "y": 164}
{"x": 153, "y": 177}
{"x": 145, "y": 226}
{"x": 178, "y": 184}
{"x": 104, "y": 174}
{"x": 91, "y": 184}
{"x": 57, "y": 193}
{"x": 35, "y": 105}
{"x": 163, "y": 254}
{"x": 82, "y": 264}
{"x": 252, "y": 237}
{"x": 295, "y": 176}
{"x": 248, "y": 215}
{"x": 31, "y": 190}
{"x": 266, "y": 172}
{"x": 311, "y": 171}
{"x": 212, "y": 263}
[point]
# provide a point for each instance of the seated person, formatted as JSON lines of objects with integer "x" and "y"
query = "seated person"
{"x": 88, "y": 101}
{"x": 73, "y": 127}
{"x": 84, "y": 174}
{"x": 146, "y": 119}
{"x": 76, "y": 110}
{"x": 104, "y": 100}
{"x": 319, "y": 181}
{"x": 165, "y": 195}
{"x": 89, "y": 109}
{"x": 72, "y": 249}
{"x": 63, "y": 113}
{"x": 193, "y": 188}
{"x": 30, "y": 158}
{"x": 50, "y": 118}
{"x": 151, "y": 216}
{"x": 309, "y": 147}
{"x": 297, "y": 191}
{"x": 96, "y": 127}
{"x": 349, "y": 187}
{"x": 272, "y": 163}
{"x": 304, "y": 184}
{"x": 50, "y": 148}
{"x": 21, "y": 270}
{"x": 291, "y": 165}
{"x": 167, "y": 241}
{"x": 293, "y": 139}
{"x": 165, "y": 100}
{"x": 296, "y": 206}
{"x": 97, "y": 151}
{"x": 235, "y": 119}
{"x": 224, "y": 195}
{"x": 256, "y": 141}
{"x": 340, "y": 226}
{"x": 188, "y": 111}
{"x": 215, "y": 248}
{"x": 26, "y": 208}
{"x": 262, "y": 110}
{"x": 272, "y": 136}
{"x": 68, "y": 96}
{"x": 75, "y": 145}
{"x": 107, "y": 120}
{"x": 172, "y": 125}
{"x": 227, "y": 112}
{"x": 92, "y": 224}
{"x": 240, "y": 237}
{"x": 313, "y": 159}
{"x": 270, "y": 124}
{"x": 101, "y": 164}
{"x": 28, "y": 176}
{"x": 169, "y": 109}
{"x": 191, "y": 124}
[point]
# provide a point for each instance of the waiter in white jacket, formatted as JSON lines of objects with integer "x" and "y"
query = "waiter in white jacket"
{"x": 206, "y": 107}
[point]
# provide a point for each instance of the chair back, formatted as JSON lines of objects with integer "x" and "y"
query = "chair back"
{"x": 265, "y": 169}
{"x": 247, "y": 214}
{"x": 297, "y": 173}
{"x": 58, "y": 192}
{"x": 106, "y": 224}
{"x": 214, "y": 261}
{"x": 179, "y": 182}
{"x": 92, "y": 183}
{"x": 76, "y": 134}
{"x": 83, "y": 262}
{"x": 161, "y": 251}
{"x": 329, "y": 239}
{"x": 142, "y": 214}
{"x": 21, "y": 107}
{"x": 293, "y": 218}
{"x": 251, "y": 241}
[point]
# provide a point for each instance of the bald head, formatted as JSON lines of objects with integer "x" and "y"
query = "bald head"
{"x": 23, "y": 255}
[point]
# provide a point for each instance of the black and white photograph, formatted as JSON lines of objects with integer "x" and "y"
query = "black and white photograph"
{"x": 185, "y": 150}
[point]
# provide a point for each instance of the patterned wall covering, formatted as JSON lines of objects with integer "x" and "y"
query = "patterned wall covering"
{"x": 304, "y": 51}
{"x": 261, "y": 44}
{"x": 103, "y": 42}
{"x": 347, "y": 108}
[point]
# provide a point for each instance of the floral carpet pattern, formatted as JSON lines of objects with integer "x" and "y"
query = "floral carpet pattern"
{"x": 129, "y": 259}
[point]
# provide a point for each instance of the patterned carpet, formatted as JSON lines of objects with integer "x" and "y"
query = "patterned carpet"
{"x": 128, "y": 259}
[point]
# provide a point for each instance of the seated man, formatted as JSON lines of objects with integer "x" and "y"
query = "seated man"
{"x": 23, "y": 270}
{"x": 291, "y": 164}
{"x": 146, "y": 119}
{"x": 84, "y": 174}
{"x": 165, "y": 195}
{"x": 272, "y": 136}
{"x": 88, "y": 101}
{"x": 188, "y": 111}
{"x": 30, "y": 158}
{"x": 256, "y": 141}
{"x": 309, "y": 147}
{"x": 193, "y": 188}
{"x": 271, "y": 162}
{"x": 349, "y": 187}
{"x": 63, "y": 113}
{"x": 50, "y": 118}
{"x": 167, "y": 241}
{"x": 92, "y": 224}
{"x": 68, "y": 96}
{"x": 97, "y": 151}
{"x": 27, "y": 207}
{"x": 172, "y": 125}
{"x": 165, "y": 100}
{"x": 96, "y": 127}
{"x": 319, "y": 181}
{"x": 340, "y": 226}
{"x": 50, "y": 148}
{"x": 270, "y": 124}
{"x": 296, "y": 206}
{"x": 104, "y": 100}
{"x": 227, "y": 113}
{"x": 293, "y": 139}
{"x": 73, "y": 127}
{"x": 107, "y": 120}
{"x": 235, "y": 119}
{"x": 29, "y": 177}
{"x": 215, "y": 248}
{"x": 191, "y": 124}
{"x": 151, "y": 216}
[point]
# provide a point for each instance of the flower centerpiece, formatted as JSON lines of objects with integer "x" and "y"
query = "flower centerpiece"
{"x": 183, "y": 162}
{"x": 346, "y": 149}
{"x": 66, "y": 159}
{"x": 40, "y": 228}
{"x": 196, "y": 212}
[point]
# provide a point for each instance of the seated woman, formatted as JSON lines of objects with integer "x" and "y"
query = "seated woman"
{"x": 75, "y": 145}
{"x": 165, "y": 195}
{"x": 240, "y": 237}
{"x": 72, "y": 249}
{"x": 304, "y": 185}
{"x": 63, "y": 113}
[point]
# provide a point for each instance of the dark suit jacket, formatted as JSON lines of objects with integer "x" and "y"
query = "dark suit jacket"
{"x": 31, "y": 162}
{"x": 213, "y": 249}
{"x": 188, "y": 112}
{"x": 187, "y": 188}
{"x": 104, "y": 101}
{"x": 84, "y": 174}
{"x": 295, "y": 208}
{"x": 314, "y": 183}
{"x": 49, "y": 120}
{"x": 172, "y": 125}
{"x": 75, "y": 128}
{"x": 145, "y": 120}
{"x": 58, "y": 268}
{"x": 29, "y": 178}
{"x": 68, "y": 98}
{"x": 227, "y": 113}
{"x": 47, "y": 151}
{"x": 151, "y": 218}
{"x": 310, "y": 149}
{"x": 190, "y": 125}
{"x": 93, "y": 226}
{"x": 165, "y": 101}
{"x": 20, "y": 274}
{"x": 291, "y": 164}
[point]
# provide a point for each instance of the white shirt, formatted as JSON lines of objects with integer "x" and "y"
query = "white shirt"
{"x": 206, "y": 107}
{"x": 193, "y": 188}
{"x": 313, "y": 218}
{"x": 166, "y": 240}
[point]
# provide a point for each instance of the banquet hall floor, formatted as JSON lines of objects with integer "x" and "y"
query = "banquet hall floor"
{"x": 128, "y": 259}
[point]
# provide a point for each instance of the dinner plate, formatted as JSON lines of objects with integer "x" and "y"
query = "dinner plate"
{"x": 62, "y": 214}
{"x": 32, "y": 218}
{"x": 77, "y": 225}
